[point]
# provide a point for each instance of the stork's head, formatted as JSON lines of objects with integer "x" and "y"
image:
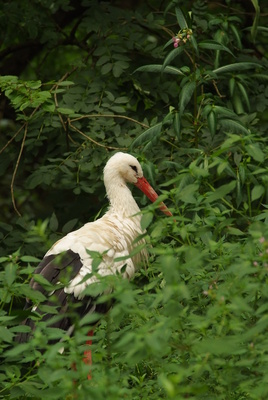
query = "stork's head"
{"x": 124, "y": 166}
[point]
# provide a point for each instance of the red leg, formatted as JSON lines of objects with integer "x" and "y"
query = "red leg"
{"x": 87, "y": 353}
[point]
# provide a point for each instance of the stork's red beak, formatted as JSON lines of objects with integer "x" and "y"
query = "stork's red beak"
{"x": 147, "y": 189}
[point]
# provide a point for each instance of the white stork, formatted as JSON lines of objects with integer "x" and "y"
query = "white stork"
{"x": 112, "y": 236}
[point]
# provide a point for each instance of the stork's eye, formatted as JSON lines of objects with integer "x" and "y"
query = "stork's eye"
{"x": 134, "y": 168}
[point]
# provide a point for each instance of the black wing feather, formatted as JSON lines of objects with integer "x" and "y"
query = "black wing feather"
{"x": 55, "y": 268}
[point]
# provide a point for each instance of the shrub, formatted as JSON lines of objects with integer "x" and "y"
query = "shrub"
{"x": 183, "y": 87}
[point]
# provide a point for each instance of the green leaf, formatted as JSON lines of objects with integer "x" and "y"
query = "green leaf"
{"x": 254, "y": 28}
{"x": 173, "y": 54}
{"x": 235, "y": 231}
{"x": 146, "y": 220}
{"x": 212, "y": 122}
{"x": 261, "y": 77}
{"x": 257, "y": 192}
{"x": 43, "y": 282}
{"x": 65, "y": 83}
{"x": 244, "y": 94}
{"x": 181, "y": 19}
{"x": 96, "y": 260}
{"x": 223, "y": 112}
{"x": 177, "y": 124}
{"x": 236, "y": 35}
{"x": 232, "y": 84}
{"x": 117, "y": 70}
{"x": 17, "y": 350}
{"x": 64, "y": 110}
{"x": 135, "y": 251}
{"x": 102, "y": 60}
{"x": 6, "y": 335}
{"x": 221, "y": 192}
{"x": 121, "y": 99}
{"x": 118, "y": 109}
{"x": 213, "y": 45}
{"x": 68, "y": 227}
{"x": 158, "y": 68}
{"x": 32, "y": 294}
{"x": 241, "y": 66}
{"x": 168, "y": 43}
{"x": 34, "y": 84}
{"x": 233, "y": 126}
{"x": 255, "y": 151}
{"x": 10, "y": 273}
{"x": 238, "y": 104}
{"x": 53, "y": 222}
{"x": 8, "y": 79}
{"x": 186, "y": 95}
{"x": 188, "y": 193}
{"x": 106, "y": 68}
{"x": 49, "y": 107}
{"x": 29, "y": 259}
{"x": 147, "y": 136}
{"x": 194, "y": 45}
{"x": 219, "y": 346}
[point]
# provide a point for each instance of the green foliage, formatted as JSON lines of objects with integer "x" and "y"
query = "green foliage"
{"x": 79, "y": 82}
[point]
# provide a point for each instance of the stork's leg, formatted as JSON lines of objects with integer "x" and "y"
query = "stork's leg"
{"x": 87, "y": 353}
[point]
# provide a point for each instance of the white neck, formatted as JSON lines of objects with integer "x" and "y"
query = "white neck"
{"x": 120, "y": 196}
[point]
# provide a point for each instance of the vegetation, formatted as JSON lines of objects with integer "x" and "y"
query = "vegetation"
{"x": 182, "y": 86}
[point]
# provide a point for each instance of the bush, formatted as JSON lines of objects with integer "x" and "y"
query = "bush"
{"x": 183, "y": 87}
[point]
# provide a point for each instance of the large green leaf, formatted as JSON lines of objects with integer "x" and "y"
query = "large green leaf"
{"x": 212, "y": 122}
{"x": 244, "y": 94}
{"x": 171, "y": 55}
{"x": 241, "y": 66}
{"x": 254, "y": 28}
{"x": 186, "y": 95}
{"x": 257, "y": 192}
{"x": 181, "y": 18}
{"x": 221, "y": 192}
{"x": 159, "y": 69}
{"x": 255, "y": 151}
{"x": 233, "y": 126}
{"x": 188, "y": 194}
{"x": 213, "y": 45}
{"x": 150, "y": 134}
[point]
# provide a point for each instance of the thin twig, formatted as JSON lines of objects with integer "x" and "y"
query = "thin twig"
{"x": 25, "y": 126}
{"x": 57, "y": 105}
{"x": 66, "y": 75}
{"x": 16, "y": 169}
{"x": 13, "y": 137}
{"x": 217, "y": 90}
{"x": 92, "y": 140}
{"x": 20, "y": 129}
{"x": 109, "y": 116}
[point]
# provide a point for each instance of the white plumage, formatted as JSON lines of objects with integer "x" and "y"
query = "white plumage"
{"x": 113, "y": 237}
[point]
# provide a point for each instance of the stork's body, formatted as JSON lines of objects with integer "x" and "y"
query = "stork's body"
{"x": 112, "y": 236}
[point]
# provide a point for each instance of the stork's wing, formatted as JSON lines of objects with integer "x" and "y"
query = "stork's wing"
{"x": 54, "y": 267}
{"x": 110, "y": 238}
{"x": 57, "y": 269}
{"x": 68, "y": 265}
